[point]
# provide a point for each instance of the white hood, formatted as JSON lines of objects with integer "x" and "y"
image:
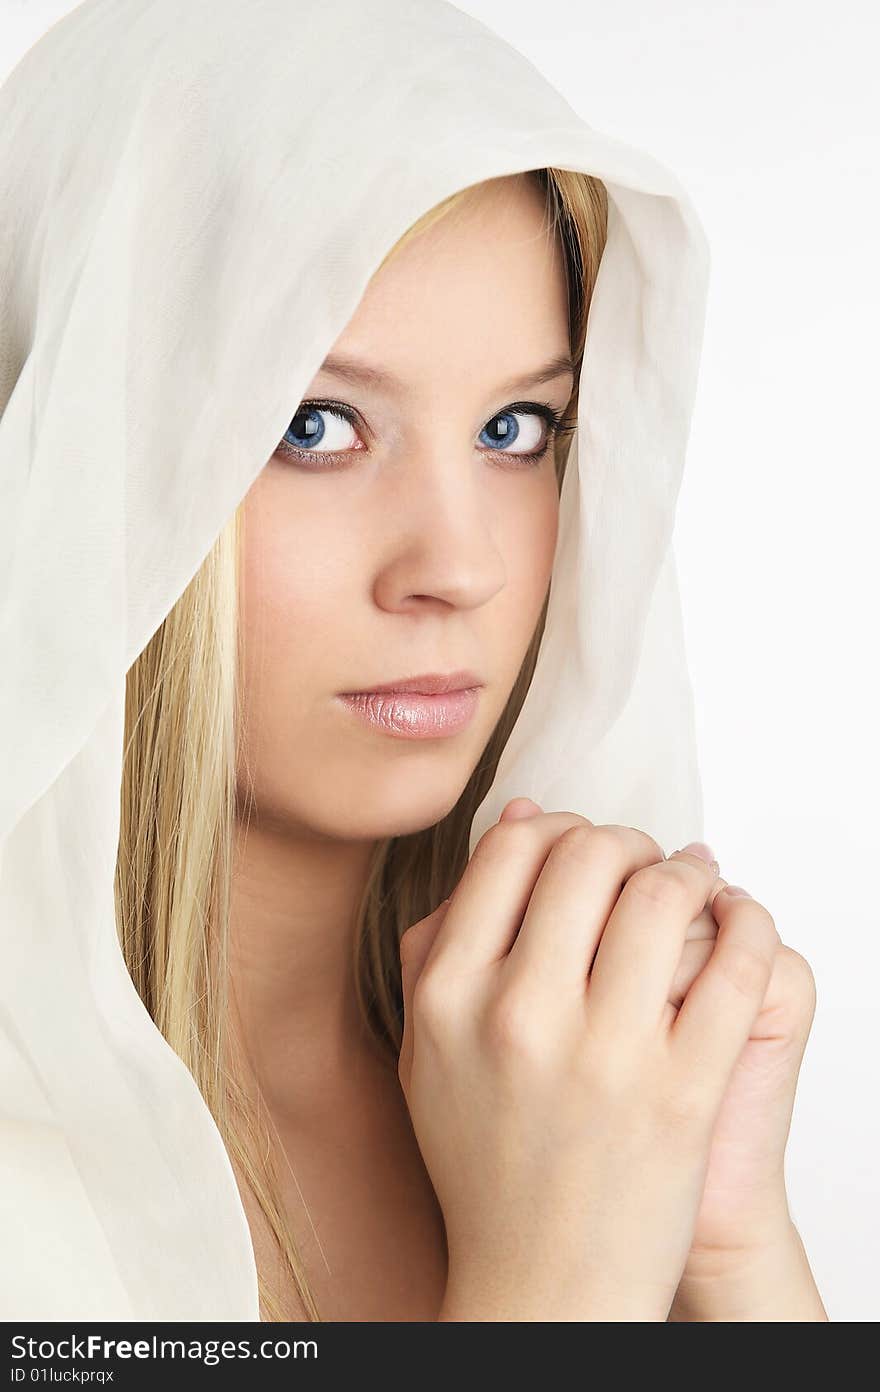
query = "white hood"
{"x": 155, "y": 246}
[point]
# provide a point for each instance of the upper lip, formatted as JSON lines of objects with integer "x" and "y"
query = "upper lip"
{"x": 429, "y": 684}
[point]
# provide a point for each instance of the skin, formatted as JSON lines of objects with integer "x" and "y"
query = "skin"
{"x": 739, "y": 1000}
{"x": 428, "y": 551}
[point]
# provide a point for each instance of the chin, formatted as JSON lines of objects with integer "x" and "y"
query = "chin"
{"x": 400, "y": 806}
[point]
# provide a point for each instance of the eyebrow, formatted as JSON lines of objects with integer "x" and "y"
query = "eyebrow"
{"x": 360, "y": 374}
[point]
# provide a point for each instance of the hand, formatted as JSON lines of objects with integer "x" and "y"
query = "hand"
{"x": 744, "y": 1208}
{"x": 559, "y": 1114}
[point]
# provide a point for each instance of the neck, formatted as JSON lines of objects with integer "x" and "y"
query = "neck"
{"x": 293, "y": 1006}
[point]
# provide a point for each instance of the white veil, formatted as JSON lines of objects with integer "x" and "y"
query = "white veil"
{"x": 193, "y": 198}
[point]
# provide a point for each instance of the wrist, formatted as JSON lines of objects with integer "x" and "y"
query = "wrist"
{"x": 543, "y": 1296}
{"x": 768, "y": 1280}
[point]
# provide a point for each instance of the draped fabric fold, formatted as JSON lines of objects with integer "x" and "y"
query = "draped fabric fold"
{"x": 193, "y": 198}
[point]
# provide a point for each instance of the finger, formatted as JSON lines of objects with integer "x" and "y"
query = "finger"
{"x": 491, "y": 898}
{"x": 789, "y": 1003}
{"x": 717, "y": 1014}
{"x": 415, "y": 945}
{"x": 694, "y": 957}
{"x": 697, "y": 950}
{"x": 703, "y": 926}
{"x": 418, "y": 940}
{"x": 520, "y": 807}
{"x": 574, "y": 894}
{"x": 643, "y": 941}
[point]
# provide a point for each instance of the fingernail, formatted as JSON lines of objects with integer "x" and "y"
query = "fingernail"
{"x": 736, "y": 889}
{"x": 699, "y": 848}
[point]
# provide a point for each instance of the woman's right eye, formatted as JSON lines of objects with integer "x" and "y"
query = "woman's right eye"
{"x": 319, "y": 423}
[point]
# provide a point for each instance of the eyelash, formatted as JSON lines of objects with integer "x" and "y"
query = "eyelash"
{"x": 333, "y": 459}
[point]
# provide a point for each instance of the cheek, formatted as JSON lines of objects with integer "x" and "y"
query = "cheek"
{"x": 530, "y": 545}
{"x": 292, "y": 594}
{"x": 296, "y": 587}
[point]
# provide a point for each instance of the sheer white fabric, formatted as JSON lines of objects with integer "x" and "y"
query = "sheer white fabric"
{"x": 193, "y": 198}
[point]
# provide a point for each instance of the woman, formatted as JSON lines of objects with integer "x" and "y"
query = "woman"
{"x": 319, "y": 446}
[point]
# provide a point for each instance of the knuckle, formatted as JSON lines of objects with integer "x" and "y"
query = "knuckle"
{"x": 745, "y": 967}
{"x": 503, "y": 841}
{"x": 800, "y": 972}
{"x": 764, "y": 921}
{"x": 577, "y": 820}
{"x": 759, "y": 917}
{"x": 603, "y": 840}
{"x": 652, "y": 848}
{"x": 587, "y": 844}
{"x": 655, "y": 848}
{"x": 667, "y": 884}
{"x": 576, "y": 842}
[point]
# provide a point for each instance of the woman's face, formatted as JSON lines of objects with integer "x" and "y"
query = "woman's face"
{"x": 417, "y": 536}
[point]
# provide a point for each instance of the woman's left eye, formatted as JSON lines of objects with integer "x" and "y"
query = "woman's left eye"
{"x": 532, "y": 438}
{"x": 530, "y": 425}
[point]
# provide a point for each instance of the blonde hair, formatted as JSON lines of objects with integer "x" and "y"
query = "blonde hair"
{"x": 178, "y": 807}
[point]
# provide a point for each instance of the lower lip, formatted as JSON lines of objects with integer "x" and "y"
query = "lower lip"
{"x": 411, "y": 715}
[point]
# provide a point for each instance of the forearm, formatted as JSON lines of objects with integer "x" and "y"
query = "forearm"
{"x": 771, "y": 1284}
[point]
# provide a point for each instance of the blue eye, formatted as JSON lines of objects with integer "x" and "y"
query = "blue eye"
{"x": 307, "y": 430}
{"x": 533, "y": 434}
{"x": 519, "y": 423}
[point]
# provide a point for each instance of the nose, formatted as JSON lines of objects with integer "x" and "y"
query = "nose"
{"x": 438, "y": 540}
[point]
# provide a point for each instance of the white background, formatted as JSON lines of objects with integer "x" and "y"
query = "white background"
{"x": 764, "y": 109}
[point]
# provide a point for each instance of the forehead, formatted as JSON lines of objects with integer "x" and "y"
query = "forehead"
{"x": 362, "y": 373}
{"x": 481, "y": 294}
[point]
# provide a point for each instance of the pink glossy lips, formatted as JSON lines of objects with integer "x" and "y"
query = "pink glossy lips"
{"x": 430, "y": 707}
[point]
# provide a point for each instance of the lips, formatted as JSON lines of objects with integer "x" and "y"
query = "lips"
{"x": 428, "y": 684}
{"x": 412, "y": 714}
